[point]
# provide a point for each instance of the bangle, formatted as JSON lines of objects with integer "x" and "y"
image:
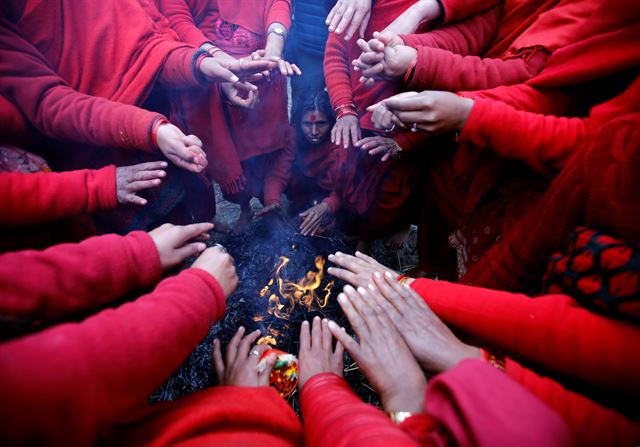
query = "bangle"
{"x": 346, "y": 112}
{"x": 154, "y": 130}
{"x": 350, "y": 105}
{"x": 398, "y": 417}
{"x": 412, "y": 67}
{"x": 402, "y": 278}
{"x": 492, "y": 359}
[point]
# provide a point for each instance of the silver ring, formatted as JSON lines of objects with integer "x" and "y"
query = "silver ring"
{"x": 220, "y": 246}
{"x": 391, "y": 129}
{"x": 254, "y": 352}
{"x": 414, "y": 127}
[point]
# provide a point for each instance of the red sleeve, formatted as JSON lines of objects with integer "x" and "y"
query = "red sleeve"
{"x": 278, "y": 177}
{"x": 459, "y": 9}
{"x": 41, "y": 197}
{"x": 67, "y": 278}
{"x": 544, "y": 142}
{"x": 337, "y": 73}
{"x": 280, "y": 11}
{"x": 334, "y": 202}
{"x": 65, "y": 385}
{"x": 60, "y": 112}
{"x": 551, "y": 331}
{"x": 334, "y": 416}
{"x": 525, "y": 97}
{"x": 471, "y": 36}
{"x": 591, "y": 423}
{"x": 178, "y": 70}
{"x": 181, "y": 18}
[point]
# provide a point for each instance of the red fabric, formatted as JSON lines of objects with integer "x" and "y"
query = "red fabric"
{"x": 109, "y": 363}
{"x": 471, "y": 405}
{"x": 31, "y": 199}
{"x": 232, "y": 135}
{"x": 455, "y": 10}
{"x": 94, "y": 272}
{"x": 556, "y": 334}
{"x": 56, "y": 109}
{"x": 594, "y": 189}
{"x": 223, "y": 415}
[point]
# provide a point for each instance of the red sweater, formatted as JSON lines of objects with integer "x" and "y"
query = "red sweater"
{"x": 32, "y": 199}
{"x": 69, "y": 383}
{"x": 555, "y": 334}
{"x": 60, "y": 112}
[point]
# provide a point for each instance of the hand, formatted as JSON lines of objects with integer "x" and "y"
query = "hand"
{"x": 381, "y": 353}
{"x": 133, "y": 179}
{"x": 379, "y": 145}
{"x": 175, "y": 243}
{"x": 219, "y": 264}
{"x": 235, "y": 71}
{"x": 430, "y": 340}
{"x": 312, "y": 218}
{"x": 433, "y": 112}
{"x": 356, "y": 270}
{"x": 183, "y": 151}
{"x": 346, "y": 131}
{"x": 383, "y": 57}
{"x": 233, "y": 95}
{"x": 349, "y": 15}
{"x": 267, "y": 209}
{"x": 316, "y": 355}
{"x": 240, "y": 367}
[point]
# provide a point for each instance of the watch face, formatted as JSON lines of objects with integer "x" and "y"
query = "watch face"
{"x": 279, "y": 31}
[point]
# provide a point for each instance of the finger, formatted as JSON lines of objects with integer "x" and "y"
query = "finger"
{"x": 410, "y": 296}
{"x": 370, "y": 58}
{"x": 192, "y": 140}
{"x": 331, "y": 15}
{"x": 406, "y": 102}
{"x": 218, "y": 363}
{"x": 364, "y": 141}
{"x": 192, "y": 249}
{"x": 339, "y": 351}
{"x": 282, "y": 66}
{"x": 316, "y": 333}
{"x": 356, "y": 23}
{"x": 315, "y": 228}
{"x": 147, "y": 175}
{"x": 340, "y": 8}
{"x": 357, "y": 135}
{"x": 187, "y": 165}
{"x": 136, "y": 200}
{"x": 232, "y": 347}
{"x": 377, "y": 296}
{"x": 338, "y": 137}
{"x": 373, "y": 71}
{"x": 245, "y": 344}
{"x": 364, "y": 24}
{"x": 357, "y": 319}
{"x": 199, "y": 157}
{"x": 246, "y": 86}
{"x": 345, "y": 21}
{"x": 326, "y": 336}
{"x": 305, "y": 337}
{"x": 345, "y": 340}
{"x": 253, "y": 359}
{"x": 363, "y": 45}
{"x": 311, "y": 222}
{"x": 345, "y": 136}
{"x": 389, "y": 294}
{"x": 187, "y": 232}
{"x": 296, "y": 69}
{"x": 150, "y": 166}
{"x": 348, "y": 262}
{"x": 145, "y": 184}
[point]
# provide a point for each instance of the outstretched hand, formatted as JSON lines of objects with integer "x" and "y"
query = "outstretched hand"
{"x": 181, "y": 150}
{"x": 240, "y": 366}
{"x": 349, "y": 16}
{"x": 432, "y": 343}
{"x": 346, "y": 131}
{"x": 175, "y": 243}
{"x": 379, "y": 145}
{"x": 219, "y": 264}
{"x": 383, "y": 57}
{"x": 311, "y": 219}
{"x": 316, "y": 354}
{"x": 381, "y": 353}
{"x": 239, "y": 97}
{"x": 132, "y": 179}
{"x": 356, "y": 270}
{"x": 239, "y": 72}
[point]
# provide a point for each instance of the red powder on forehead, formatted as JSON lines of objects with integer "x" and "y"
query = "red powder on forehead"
{"x": 313, "y": 118}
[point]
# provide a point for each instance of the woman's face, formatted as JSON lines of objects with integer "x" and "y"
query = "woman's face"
{"x": 315, "y": 126}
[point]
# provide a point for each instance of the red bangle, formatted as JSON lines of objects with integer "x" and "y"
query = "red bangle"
{"x": 411, "y": 69}
{"x": 347, "y": 112}
{"x": 154, "y": 130}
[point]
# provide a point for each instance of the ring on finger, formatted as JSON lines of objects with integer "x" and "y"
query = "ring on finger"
{"x": 254, "y": 352}
{"x": 391, "y": 129}
{"x": 414, "y": 127}
{"x": 221, "y": 247}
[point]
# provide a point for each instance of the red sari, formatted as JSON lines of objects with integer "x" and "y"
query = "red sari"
{"x": 232, "y": 135}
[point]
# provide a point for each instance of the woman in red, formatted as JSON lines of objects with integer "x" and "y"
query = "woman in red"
{"x": 248, "y": 135}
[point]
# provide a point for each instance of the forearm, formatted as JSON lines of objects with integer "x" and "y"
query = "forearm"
{"x": 553, "y": 332}
{"x": 420, "y": 12}
{"x": 68, "y": 278}
{"x": 181, "y": 68}
{"x": 337, "y": 73}
{"x": 275, "y": 42}
{"x": 544, "y": 142}
{"x": 335, "y": 416}
{"x": 71, "y": 382}
{"x": 30, "y": 199}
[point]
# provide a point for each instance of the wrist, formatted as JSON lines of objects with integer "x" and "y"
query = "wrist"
{"x": 466, "y": 105}
{"x": 429, "y": 9}
{"x": 154, "y": 131}
{"x": 412, "y": 402}
{"x": 462, "y": 352}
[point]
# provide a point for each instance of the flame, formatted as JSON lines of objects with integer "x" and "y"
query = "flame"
{"x": 284, "y": 295}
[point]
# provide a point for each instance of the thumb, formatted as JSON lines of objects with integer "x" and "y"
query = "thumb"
{"x": 269, "y": 363}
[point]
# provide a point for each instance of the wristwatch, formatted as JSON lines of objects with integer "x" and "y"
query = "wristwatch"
{"x": 280, "y": 31}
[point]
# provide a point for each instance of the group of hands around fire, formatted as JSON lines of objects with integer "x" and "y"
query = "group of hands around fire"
{"x": 398, "y": 336}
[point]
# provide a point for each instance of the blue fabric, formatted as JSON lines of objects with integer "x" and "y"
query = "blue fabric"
{"x": 309, "y": 32}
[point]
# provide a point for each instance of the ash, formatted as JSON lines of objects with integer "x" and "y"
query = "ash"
{"x": 256, "y": 254}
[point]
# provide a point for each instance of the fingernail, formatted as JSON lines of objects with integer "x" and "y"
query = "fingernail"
{"x": 164, "y": 164}
{"x": 342, "y": 298}
{"x": 331, "y": 256}
{"x": 331, "y": 29}
{"x": 361, "y": 290}
{"x": 234, "y": 79}
{"x": 316, "y": 318}
{"x": 388, "y": 275}
{"x": 349, "y": 288}
{"x": 324, "y": 320}
{"x": 201, "y": 247}
{"x": 377, "y": 275}
{"x": 338, "y": 253}
{"x": 371, "y": 287}
{"x": 305, "y": 323}
{"x": 241, "y": 328}
{"x": 339, "y": 30}
{"x": 333, "y": 325}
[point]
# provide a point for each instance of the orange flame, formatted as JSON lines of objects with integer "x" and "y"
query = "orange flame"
{"x": 284, "y": 295}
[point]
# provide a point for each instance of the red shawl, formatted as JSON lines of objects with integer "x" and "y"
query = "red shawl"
{"x": 103, "y": 48}
{"x": 237, "y": 12}
{"x": 598, "y": 189}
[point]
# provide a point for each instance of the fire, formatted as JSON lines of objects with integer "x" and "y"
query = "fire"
{"x": 284, "y": 295}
